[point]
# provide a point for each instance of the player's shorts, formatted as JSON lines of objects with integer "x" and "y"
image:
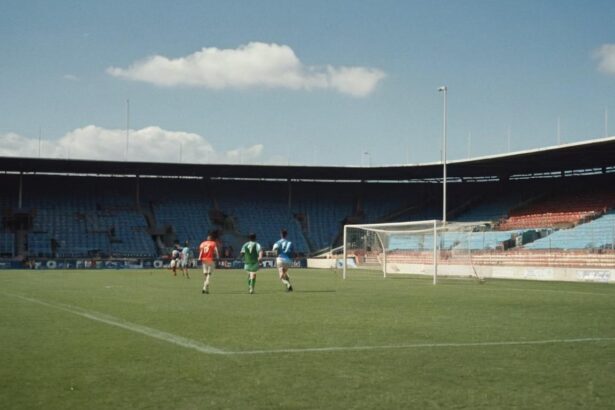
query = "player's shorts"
{"x": 250, "y": 267}
{"x": 283, "y": 263}
{"x": 183, "y": 262}
{"x": 208, "y": 266}
{"x": 173, "y": 263}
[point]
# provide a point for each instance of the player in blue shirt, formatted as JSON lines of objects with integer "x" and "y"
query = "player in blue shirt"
{"x": 285, "y": 250}
{"x": 184, "y": 260}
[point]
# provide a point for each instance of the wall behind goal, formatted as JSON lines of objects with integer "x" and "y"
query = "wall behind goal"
{"x": 565, "y": 274}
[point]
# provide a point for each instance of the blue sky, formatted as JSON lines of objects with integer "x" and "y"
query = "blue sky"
{"x": 302, "y": 82}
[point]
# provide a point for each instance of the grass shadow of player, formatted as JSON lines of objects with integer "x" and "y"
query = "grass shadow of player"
{"x": 270, "y": 292}
{"x": 314, "y": 291}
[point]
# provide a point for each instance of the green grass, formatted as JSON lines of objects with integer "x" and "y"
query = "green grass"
{"x": 56, "y": 353}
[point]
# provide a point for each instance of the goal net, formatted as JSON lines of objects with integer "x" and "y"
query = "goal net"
{"x": 421, "y": 247}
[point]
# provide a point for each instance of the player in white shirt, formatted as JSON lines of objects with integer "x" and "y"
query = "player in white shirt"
{"x": 174, "y": 259}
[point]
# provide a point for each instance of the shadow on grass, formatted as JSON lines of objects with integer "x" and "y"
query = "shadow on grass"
{"x": 267, "y": 292}
{"x": 314, "y": 291}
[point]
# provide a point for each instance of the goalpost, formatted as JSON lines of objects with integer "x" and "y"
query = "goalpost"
{"x": 418, "y": 247}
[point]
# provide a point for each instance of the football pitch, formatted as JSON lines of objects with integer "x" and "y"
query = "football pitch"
{"x": 143, "y": 339}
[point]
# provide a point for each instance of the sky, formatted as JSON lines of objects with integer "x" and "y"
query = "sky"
{"x": 348, "y": 83}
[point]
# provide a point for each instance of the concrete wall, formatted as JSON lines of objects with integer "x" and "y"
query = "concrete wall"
{"x": 596, "y": 275}
{"x": 320, "y": 263}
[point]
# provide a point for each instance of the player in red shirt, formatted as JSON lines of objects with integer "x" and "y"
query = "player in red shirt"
{"x": 208, "y": 254}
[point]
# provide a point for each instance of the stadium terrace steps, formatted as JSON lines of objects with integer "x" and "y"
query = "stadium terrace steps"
{"x": 375, "y": 209}
{"x": 553, "y": 258}
{"x": 599, "y": 233}
{"x": 189, "y": 218}
{"x": 265, "y": 220}
{"x": 536, "y": 258}
{"x": 491, "y": 209}
{"x": 86, "y": 219}
{"x": 323, "y": 218}
{"x": 560, "y": 210}
{"x": 547, "y": 220}
{"x": 7, "y": 243}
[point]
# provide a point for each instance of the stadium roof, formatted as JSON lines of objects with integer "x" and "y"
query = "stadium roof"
{"x": 596, "y": 155}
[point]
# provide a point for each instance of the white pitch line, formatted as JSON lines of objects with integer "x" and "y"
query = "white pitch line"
{"x": 425, "y": 345}
{"x": 133, "y": 327}
{"x": 202, "y": 348}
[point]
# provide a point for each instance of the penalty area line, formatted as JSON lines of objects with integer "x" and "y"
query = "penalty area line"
{"x": 123, "y": 324}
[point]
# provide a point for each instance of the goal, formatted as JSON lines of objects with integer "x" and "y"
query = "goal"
{"x": 421, "y": 247}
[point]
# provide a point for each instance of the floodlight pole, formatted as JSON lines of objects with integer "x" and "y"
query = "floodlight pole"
{"x": 444, "y": 89}
{"x": 344, "y": 254}
{"x": 39, "y": 141}
{"x": 20, "y": 192}
{"x": 369, "y": 159}
{"x": 469, "y": 145}
{"x": 435, "y": 252}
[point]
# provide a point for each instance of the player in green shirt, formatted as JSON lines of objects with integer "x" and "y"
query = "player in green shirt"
{"x": 252, "y": 254}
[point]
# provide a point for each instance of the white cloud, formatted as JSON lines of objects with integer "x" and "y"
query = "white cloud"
{"x": 357, "y": 81}
{"x": 147, "y": 144}
{"x": 605, "y": 55}
{"x": 252, "y": 65}
{"x": 70, "y": 77}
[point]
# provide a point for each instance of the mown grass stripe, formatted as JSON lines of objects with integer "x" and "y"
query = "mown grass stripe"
{"x": 200, "y": 347}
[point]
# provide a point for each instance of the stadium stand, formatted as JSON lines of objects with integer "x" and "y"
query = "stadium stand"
{"x": 104, "y": 219}
{"x": 323, "y": 219}
{"x": 551, "y": 201}
{"x": 188, "y": 218}
{"x": 86, "y": 218}
{"x": 7, "y": 244}
{"x": 376, "y": 210}
{"x": 7, "y": 238}
{"x": 597, "y": 234}
{"x": 491, "y": 209}
{"x": 264, "y": 212}
{"x": 560, "y": 210}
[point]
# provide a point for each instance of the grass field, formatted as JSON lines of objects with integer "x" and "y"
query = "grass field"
{"x": 144, "y": 339}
